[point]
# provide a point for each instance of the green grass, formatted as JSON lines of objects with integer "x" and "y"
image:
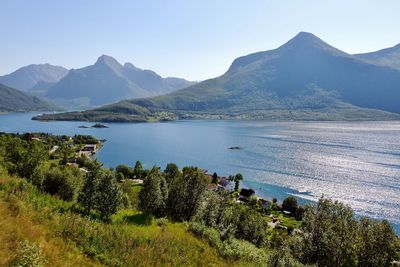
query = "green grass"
{"x": 131, "y": 239}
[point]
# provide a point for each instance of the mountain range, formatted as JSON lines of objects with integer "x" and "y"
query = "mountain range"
{"x": 104, "y": 82}
{"x": 12, "y": 100}
{"x": 304, "y": 79}
{"x": 389, "y": 57}
{"x": 108, "y": 81}
{"x": 29, "y": 76}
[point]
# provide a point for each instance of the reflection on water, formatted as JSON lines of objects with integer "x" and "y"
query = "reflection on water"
{"x": 355, "y": 162}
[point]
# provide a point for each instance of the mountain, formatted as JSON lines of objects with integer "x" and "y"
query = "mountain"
{"x": 13, "y": 100}
{"x": 108, "y": 81}
{"x": 28, "y": 76}
{"x": 304, "y": 79}
{"x": 389, "y": 57}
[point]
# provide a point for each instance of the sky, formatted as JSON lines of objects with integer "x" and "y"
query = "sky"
{"x": 195, "y": 40}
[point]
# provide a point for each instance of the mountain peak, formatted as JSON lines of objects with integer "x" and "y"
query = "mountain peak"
{"x": 110, "y": 62}
{"x": 104, "y": 59}
{"x": 305, "y": 39}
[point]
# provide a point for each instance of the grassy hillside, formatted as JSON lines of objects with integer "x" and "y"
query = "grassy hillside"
{"x": 65, "y": 239}
{"x": 12, "y": 100}
{"x": 81, "y": 214}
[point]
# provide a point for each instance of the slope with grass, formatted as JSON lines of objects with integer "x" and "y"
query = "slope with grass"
{"x": 12, "y": 100}
{"x": 62, "y": 238}
{"x": 304, "y": 79}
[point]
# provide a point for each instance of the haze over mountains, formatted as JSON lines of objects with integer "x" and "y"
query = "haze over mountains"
{"x": 12, "y": 100}
{"x": 389, "y": 57}
{"x": 108, "y": 81}
{"x": 27, "y": 77}
{"x": 104, "y": 82}
{"x": 305, "y": 78}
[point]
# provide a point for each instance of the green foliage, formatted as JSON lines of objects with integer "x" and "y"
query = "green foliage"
{"x": 329, "y": 232}
{"x": 85, "y": 139}
{"x": 282, "y": 258}
{"x": 101, "y": 192}
{"x": 214, "y": 178}
{"x": 377, "y": 243}
{"x": 21, "y": 157}
{"x": 28, "y": 254}
{"x": 185, "y": 193}
{"x": 64, "y": 181}
{"x": 108, "y": 195}
{"x": 229, "y": 248}
{"x": 12, "y": 100}
{"x": 132, "y": 191}
{"x": 125, "y": 170}
{"x": 171, "y": 172}
{"x": 290, "y": 204}
{"x": 138, "y": 170}
{"x": 154, "y": 194}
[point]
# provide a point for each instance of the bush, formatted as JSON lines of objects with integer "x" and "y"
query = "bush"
{"x": 63, "y": 181}
{"x": 230, "y": 248}
{"x": 125, "y": 170}
{"x": 28, "y": 254}
{"x": 290, "y": 204}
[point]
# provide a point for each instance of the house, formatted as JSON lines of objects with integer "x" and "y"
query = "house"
{"x": 89, "y": 148}
{"x": 223, "y": 181}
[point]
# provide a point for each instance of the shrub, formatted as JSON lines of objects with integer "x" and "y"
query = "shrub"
{"x": 63, "y": 181}
{"x": 290, "y": 204}
{"x": 125, "y": 170}
{"x": 28, "y": 254}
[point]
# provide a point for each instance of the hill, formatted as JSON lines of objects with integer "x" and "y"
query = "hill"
{"x": 27, "y": 77}
{"x": 389, "y": 57}
{"x": 108, "y": 81}
{"x": 12, "y": 100}
{"x": 304, "y": 79}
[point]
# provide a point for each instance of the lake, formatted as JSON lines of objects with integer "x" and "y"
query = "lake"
{"x": 357, "y": 163}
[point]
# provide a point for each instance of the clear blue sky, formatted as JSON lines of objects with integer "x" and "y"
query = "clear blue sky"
{"x": 190, "y": 39}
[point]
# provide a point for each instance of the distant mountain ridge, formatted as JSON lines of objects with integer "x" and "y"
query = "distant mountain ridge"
{"x": 304, "y": 79}
{"x": 389, "y": 57}
{"x": 108, "y": 81}
{"x": 27, "y": 77}
{"x": 12, "y": 100}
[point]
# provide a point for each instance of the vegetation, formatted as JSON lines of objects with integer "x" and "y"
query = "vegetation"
{"x": 13, "y": 100}
{"x": 154, "y": 217}
{"x": 256, "y": 87}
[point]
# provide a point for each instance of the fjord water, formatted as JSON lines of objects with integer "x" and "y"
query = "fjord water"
{"x": 354, "y": 162}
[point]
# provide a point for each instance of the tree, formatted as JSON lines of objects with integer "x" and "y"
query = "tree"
{"x": 185, "y": 193}
{"x": 137, "y": 170}
{"x": 88, "y": 195}
{"x": 64, "y": 181}
{"x": 214, "y": 178}
{"x": 290, "y": 204}
{"x": 210, "y": 208}
{"x": 125, "y": 170}
{"x": 23, "y": 157}
{"x": 238, "y": 177}
{"x": 108, "y": 196}
{"x": 329, "y": 231}
{"x": 100, "y": 192}
{"x": 154, "y": 194}
{"x": 171, "y": 172}
{"x": 376, "y": 243}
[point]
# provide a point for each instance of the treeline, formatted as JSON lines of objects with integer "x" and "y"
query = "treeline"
{"x": 328, "y": 235}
